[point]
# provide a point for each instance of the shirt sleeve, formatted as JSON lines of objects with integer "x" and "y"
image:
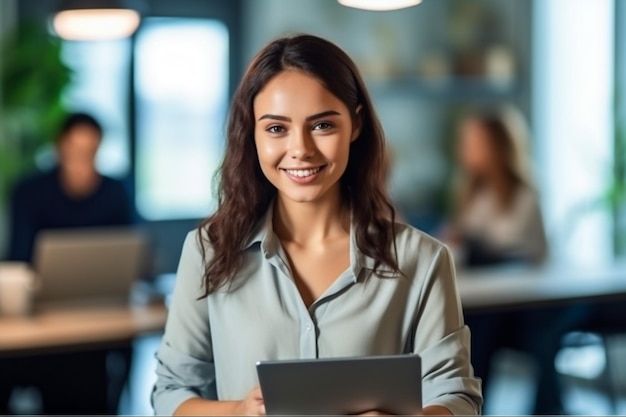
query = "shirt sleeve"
{"x": 185, "y": 366}
{"x": 443, "y": 342}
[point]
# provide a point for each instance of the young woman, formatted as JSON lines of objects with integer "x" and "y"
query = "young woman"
{"x": 498, "y": 218}
{"x": 302, "y": 258}
{"x": 499, "y": 221}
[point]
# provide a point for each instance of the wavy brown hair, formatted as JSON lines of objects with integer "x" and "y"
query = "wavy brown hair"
{"x": 245, "y": 195}
{"x": 506, "y": 133}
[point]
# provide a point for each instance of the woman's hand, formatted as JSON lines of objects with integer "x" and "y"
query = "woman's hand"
{"x": 252, "y": 405}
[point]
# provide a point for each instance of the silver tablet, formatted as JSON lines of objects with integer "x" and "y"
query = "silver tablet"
{"x": 341, "y": 386}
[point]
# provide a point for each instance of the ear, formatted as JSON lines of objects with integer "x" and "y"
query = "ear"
{"x": 358, "y": 124}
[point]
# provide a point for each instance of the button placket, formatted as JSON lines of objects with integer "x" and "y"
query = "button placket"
{"x": 308, "y": 340}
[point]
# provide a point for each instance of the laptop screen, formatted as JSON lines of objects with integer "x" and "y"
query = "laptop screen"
{"x": 88, "y": 264}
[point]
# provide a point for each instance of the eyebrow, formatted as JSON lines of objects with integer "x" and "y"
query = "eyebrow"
{"x": 308, "y": 119}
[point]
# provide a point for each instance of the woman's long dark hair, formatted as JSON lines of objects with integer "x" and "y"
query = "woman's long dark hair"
{"x": 245, "y": 195}
{"x": 506, "y": 133}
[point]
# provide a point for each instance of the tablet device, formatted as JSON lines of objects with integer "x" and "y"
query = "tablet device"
{"x": 341, "y": 386}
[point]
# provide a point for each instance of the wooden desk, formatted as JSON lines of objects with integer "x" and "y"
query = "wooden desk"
{"x": 518, "y": 287}
{"x": 483, "y": 289}
{"x": 72, "y": 328}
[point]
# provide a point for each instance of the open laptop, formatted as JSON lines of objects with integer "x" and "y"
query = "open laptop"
{"x": 341, "y": 386}
{"x": 95, "y": 266}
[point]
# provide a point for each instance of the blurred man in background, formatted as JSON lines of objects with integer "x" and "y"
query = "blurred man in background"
{"x": 71, "y": 195}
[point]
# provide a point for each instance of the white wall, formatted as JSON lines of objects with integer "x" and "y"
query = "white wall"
{"x": 573, "y": 114}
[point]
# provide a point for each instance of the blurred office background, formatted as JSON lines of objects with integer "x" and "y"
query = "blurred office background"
{"x": 163, "y": 94}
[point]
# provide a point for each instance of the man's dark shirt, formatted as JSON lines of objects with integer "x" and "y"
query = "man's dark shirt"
{"x": 39, "y": 202}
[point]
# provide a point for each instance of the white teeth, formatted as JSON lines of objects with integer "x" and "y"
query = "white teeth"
{"x": 301, "y": 173}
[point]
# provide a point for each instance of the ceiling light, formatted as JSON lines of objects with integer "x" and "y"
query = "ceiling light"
{"x": 379, "y": 5}
{"x": 95, "y": 20}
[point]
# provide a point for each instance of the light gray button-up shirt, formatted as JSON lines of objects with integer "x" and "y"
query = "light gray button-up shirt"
{"x": 211, "y": 346}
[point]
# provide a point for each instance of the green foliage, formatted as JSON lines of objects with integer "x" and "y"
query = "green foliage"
{"x": 33, "y": 78}
{"x": 617, "y": 191}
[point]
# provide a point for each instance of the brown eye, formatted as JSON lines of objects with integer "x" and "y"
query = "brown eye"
{"x": 322, "y": 126}
{"x": 275, "y": 129}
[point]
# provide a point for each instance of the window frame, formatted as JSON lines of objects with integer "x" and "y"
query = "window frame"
{"x": 229, "y": 13}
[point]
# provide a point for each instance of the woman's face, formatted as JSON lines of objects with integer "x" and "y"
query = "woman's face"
{"x": 476, "y": 154}
{"x": 303, "y": 135}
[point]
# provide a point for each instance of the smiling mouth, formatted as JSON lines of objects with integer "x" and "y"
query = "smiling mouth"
{"x": 303, "y": 173}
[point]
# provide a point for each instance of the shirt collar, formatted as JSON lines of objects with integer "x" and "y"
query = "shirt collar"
{"x": 360, "y": 260}
{"x": 269, "y": 243}
{"x": 264, "y": 234}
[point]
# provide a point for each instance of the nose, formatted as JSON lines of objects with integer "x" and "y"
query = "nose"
{"x": 301, "y": 145}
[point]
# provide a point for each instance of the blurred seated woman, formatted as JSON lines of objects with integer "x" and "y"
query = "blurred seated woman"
{"x": 498, "y": 221}
{"x": 497, "y": 215}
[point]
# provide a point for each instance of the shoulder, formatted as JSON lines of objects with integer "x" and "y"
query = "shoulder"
{"x": 112, "y": 183}
{"x": 191, "y": 266}
{"x": 196, "y": 247}
{"x": 192, "y": 241}
{"x": 415, "y": 248}
{"x": 33, "y": 183}
{"x": 113, "y": 189}
{"x": 527, "y": 193}
{"x": 527, "y": 198}
{"x": 409, "y": 236}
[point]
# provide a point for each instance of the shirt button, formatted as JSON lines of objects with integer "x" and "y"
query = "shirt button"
{"x": 308, "y": 327}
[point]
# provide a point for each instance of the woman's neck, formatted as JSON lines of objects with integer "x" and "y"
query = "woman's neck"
{"x": 310, "y": 223}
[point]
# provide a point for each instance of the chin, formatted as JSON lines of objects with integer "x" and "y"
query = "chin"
{"x": 301, "y": 197}
{"x": 311, "y": 193}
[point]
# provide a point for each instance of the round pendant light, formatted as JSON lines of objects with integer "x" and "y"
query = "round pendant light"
{"x": 96, "y": 19}
{"x": 380, "y": 5}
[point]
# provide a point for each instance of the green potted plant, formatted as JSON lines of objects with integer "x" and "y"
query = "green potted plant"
{"x": 33, "y": 77}
{"x": 616, "y": 193}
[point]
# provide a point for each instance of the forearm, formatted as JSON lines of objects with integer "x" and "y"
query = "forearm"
{"x": 436, "y": 410}
{"x": 202, "y": 407}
